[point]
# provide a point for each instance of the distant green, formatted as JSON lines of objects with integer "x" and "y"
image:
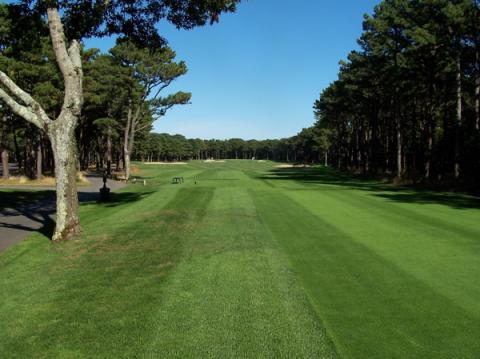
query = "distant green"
{"x": 246, "y": 260}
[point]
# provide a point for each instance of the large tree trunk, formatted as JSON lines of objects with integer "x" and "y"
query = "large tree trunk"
{"x": 18, "y": 155}
{"x": 127, "y": 166}
{"x": 4, "y": 152}
{"x": 477, "y": 87}
{"x": 129, "y": 135}
{"x": 61, "y": 131}
{"x": 458, "y": 122}
{"x": 398, "y": 135}
{"x": 126, "y": 140}
{"x": 399, "y": 150}
{"x": 428, "y": 157}
{"x": 62, "y": 137}
{"x": 5, "y": 169}
{"x": 39, "y": 159}
{"x": 109, "y": 150}
{"x": 128, "y": 149}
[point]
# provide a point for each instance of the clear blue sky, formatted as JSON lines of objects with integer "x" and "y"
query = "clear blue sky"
{"x": 257, "y": 73}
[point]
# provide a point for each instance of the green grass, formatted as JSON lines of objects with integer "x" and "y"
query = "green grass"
{"x": 251, "y": 261}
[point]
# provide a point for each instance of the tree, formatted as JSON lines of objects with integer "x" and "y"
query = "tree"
{"x": 68, "y": 23}
{"x": 147, "y": 73}
{"x": 3, "y": 148}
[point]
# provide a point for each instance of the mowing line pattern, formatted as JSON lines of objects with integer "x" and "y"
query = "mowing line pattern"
{"x": 249, "y": 260}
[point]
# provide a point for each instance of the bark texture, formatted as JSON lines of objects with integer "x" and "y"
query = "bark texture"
{"x": 4, "y": 151}
{"x": 126, "y": 142}
{"x": 5, "y": 169}
{"x": 458, "y": 122}
{"x": 39, "y": 161}
{"x": 109, "y": 150}
{"x": 62, "y": 138}
{"x": 129, "y": 136}
{"x": 61, "y": 132}
{"x": 477, "y": 88}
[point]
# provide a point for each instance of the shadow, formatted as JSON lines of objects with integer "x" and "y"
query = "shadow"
{"x": 326, "y": 176}
{"x": 13, "y": 198}
{"x": 329, "y": 179}
{"x": 28, "y": 211}
{"x": 455, "y": 200}
{"x": 34, "y": 210}
{"x": 116, "y": 198}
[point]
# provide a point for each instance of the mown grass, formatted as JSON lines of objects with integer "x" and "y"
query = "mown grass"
{"x": 247, "y": 260}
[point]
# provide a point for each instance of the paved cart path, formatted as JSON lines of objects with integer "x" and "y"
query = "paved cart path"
{"x": 17, "y": 223}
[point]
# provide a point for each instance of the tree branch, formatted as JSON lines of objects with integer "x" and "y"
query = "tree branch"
{"x": 165, "y": 85}
{"x": 31, "y": 112}
{"x": 21, "y": 111}
{"x": 28, "y": 100}
{"x": 144, "y": 127}
{"x": 74, "y": 53}
{"x": 59, "y": 45}
{"x": 69, "y": 61}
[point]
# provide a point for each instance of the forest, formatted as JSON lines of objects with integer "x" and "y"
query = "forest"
{"x": 407, "y": 103}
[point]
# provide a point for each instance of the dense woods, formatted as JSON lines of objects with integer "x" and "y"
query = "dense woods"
{"x": 407, "y": 103}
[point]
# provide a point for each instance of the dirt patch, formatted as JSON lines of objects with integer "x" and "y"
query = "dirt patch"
{"x": 293, "y": 166}
{"x": 165, "y": 163}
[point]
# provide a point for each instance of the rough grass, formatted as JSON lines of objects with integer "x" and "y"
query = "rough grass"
{"x": 45, "y": 181}
{"x": 251, "y": 261}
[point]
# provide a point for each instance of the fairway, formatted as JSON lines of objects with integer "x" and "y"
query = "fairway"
{"x": 247, "y": 260}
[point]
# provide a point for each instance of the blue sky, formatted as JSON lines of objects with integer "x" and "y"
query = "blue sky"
{"x": 257, "y": 73}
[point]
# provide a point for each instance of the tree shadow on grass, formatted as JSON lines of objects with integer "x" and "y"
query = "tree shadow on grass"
{"x": 325, "y": 176}
{"x": 330, "y": 177}
{"x": 116, "y": 198}
{"x": 454, "y": 200}
{"x": 34, "y": 210}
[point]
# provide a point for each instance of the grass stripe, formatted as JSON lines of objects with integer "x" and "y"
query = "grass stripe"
{"x": 371, "y": 307}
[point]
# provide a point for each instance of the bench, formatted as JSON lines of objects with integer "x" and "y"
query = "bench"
{"x": 177, "y": 180}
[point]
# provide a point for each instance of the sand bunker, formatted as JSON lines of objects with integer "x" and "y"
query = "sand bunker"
{"x": 214, "y": 161}
{"x": 165, "y": 163}
{"x": 292, "y": 166}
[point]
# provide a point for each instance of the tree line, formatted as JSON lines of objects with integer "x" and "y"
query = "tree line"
{"x": 407, "y": 103}
{"x": 308, "y": 146}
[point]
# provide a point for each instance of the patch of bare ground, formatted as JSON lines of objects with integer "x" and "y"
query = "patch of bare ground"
{"x": 291, "y": 165}
{"x": 214, "y": 161}
{"x": 165, "y": 163}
